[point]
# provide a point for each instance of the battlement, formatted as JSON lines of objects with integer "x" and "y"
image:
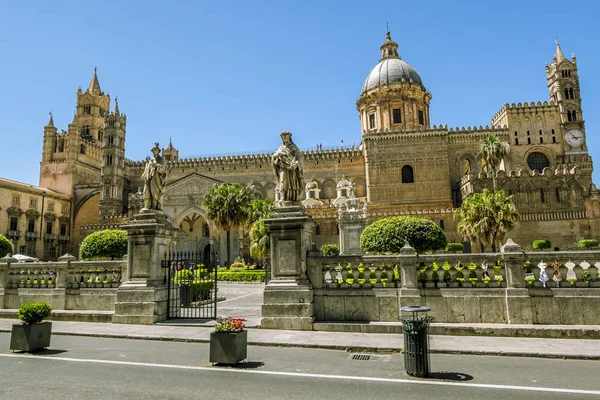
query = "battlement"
{"x": 475, "y": 129}
{"x": 524, "y": 108}
{"x": 561, "y": 170}
{"x": 252, "y": 159}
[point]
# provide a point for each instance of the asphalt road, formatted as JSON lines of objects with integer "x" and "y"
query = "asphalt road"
{"x": 99, "y": 368}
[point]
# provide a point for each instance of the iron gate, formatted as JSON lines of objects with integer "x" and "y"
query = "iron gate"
{"x": 192, "y": 286}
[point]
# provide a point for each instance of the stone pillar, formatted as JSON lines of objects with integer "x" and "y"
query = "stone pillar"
{"x": 352, "y": 221}
{"x": 518, "y": 302}
{"x": 408, "y": 294}
{"x": 288, "y": 298}
{"x": 142, "y": 297}
{"x": 4, "y": 268}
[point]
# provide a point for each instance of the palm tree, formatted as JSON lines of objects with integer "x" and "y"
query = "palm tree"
{"x": 493, "y": 151}
{"x": 486, "y": 217}
{"x": 227, "y": 206}
{"x": 259, "y": 241}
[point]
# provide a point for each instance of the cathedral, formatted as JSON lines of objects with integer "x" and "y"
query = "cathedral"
{"x": 403, "y": 166}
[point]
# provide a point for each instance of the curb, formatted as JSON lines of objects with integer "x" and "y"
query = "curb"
{"x": 333, "y": 347}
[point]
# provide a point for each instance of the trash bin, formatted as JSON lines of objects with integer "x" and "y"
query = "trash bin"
{"x": 416, "y": 341}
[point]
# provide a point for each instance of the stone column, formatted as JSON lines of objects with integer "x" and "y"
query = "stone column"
{"x": 352, "y": 221}
{"x": 518, "y": 302}
{"x": 408, "y": 294}
{"x": 288, "y": 298}
{"x": 5, "y": 263}
{"x": 142, "y": 297}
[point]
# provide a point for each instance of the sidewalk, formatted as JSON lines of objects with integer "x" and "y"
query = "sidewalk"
{"x": 350, "y": 341}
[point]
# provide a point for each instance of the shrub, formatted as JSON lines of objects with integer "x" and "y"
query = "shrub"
{"x": 528, "y": 267}
{"x": 183, "y": 277}
{"x": 201, "y": 289}
{"x": 34, "y": 312}
{"x": 330, "y": 250}
{"x": 237, "y": 266}
{"x": 107, "y": 243}
{"x": 541, "y": 244}
{"x": 388, "y": 235}
{"x": 587, "y": 243}
{"x": 241, "y": 276}
{"x": 455, "y": 247}
{"x": 5, "y": 246}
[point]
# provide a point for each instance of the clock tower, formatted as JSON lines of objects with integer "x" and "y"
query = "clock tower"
{"x": 564, "y": 90}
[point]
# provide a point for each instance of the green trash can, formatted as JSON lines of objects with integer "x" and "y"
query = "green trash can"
{"x": 416, "y": 341}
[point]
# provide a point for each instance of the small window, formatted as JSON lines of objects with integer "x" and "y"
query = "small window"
{"x": 111, "y": 123}
{"x": 31, "y": 225}
{"x": 317, "y": 230}
{"x": 442, "y": 224}
{"x": 33, "y": 203}
{"x": 421, "y": 118}
{"x": 542, "y": 198}
{"x": 311, "y": 194}
{"x": 16, "y": 199}
{"x": 63, "y": 209}
{"x": 82, "y": 149}
{"x": 537, "y": 161}
{"x": 111, "y": 140}
{"x": 206, "y": 230}
{"x": 557, "y": 194}
{"x": 516, "y": 141}
{"x": 52, "y": 252}
{"x": 516, "y": 133}
{"x": 14, "y": 223}
{"x": 100, "y": 135}
{"x": 553, "y": 139}
{"x": 371, "y": 121}
{"x": 528, "y": 133}
{"x": 87, "y": 109}
{"x": 63, "y": 229}
{"x": 101, "y": 112}
{"x": 23, "y": 249}
{"x": 542, "y": 140}
{"x": 528, "y": 140}
{"x": 50, "y": 206}
{"x": 343, "y": 193}
{"x": 397, "y": 117}
{"x": 49, "y": 227}
{"x": 407, "y": 174}
{"x": 571, "y": 93}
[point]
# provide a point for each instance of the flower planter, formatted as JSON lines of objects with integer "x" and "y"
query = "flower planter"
{"x": 30, "y": 337}
{"x": 582, "y": 284}
{"x": 595, "y": 284}
{"x": 228, "y": 347}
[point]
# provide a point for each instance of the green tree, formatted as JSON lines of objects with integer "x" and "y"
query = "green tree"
{"x": 493, "y": 151}
{"x": 259, "y": 232}
{"x": 486, "y": 217}
{"x": 388, "y": 235}
{"x": 5, "y": 246}
{"x": 107, "y": 243}
{"x": 227, "y": 205}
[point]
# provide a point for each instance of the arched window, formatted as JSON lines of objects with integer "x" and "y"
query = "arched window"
{"x": 407, "y": 174}
{"x": 537, "y": 161}
{"x": 206, "y": 230}
{"x": 442, "y": 224}
{"x": 542, "y": 198}
{"x": 557, "y": 194}
{"x": 466, "y": 166}
{"x": 317, "y": 229}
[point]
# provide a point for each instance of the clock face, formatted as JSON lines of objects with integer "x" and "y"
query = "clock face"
{"x": 574, "y": 138}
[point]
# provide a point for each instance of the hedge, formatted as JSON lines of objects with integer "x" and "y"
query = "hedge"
{"x": 541, "y": 244}
{"x": 241, "y": 276}
{"x": 587, "y": 243}
{"x": 454, "y": 247}
{"x": 330, "y": 250}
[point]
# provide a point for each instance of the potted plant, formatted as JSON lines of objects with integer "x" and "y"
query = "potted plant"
{"x": 32, "y": 334}
{"x": 229, "y": 341}
{"x": 184, "y": 279}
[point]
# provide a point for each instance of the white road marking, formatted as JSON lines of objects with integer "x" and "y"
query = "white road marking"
{"x": 307, "y": 375}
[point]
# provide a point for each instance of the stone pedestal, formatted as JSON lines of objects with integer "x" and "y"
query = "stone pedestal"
{"x": 352, "y": 220}
{"x": 142, "y": 298}
{"x": 288, "y": 298}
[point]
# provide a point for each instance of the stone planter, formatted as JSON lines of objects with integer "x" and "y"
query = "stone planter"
{"x": 30, "y": 337}
{"x": 228, "y": 347}
{"x": 442, "y": 285}
{"x": 582, "y": 284}
{"x": 595, "y": 284}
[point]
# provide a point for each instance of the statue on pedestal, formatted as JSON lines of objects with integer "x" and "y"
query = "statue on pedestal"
{"x": 287, "y": 166}
{"x": 155, "y": 177}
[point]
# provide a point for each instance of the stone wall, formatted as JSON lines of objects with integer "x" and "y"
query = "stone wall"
{"x": 459, "y": 293}
{"x": 79, "y": 285}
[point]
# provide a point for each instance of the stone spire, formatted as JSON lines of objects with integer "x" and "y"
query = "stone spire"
{"x": 389, "y": 48}
{"x": 116, "y": 110}
{"x": 51, "y": 122}
{"x": 559, "y": 56}
{"x": 94, "y": 87}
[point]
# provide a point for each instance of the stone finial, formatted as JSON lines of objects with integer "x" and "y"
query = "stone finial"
{"x": 9, "y": 259}
{"x": 67, "y": 258}
{"x": 407, "y": 249}
{"x": 510, "y": 247}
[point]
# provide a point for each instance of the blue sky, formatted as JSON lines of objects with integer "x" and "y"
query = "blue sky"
{"x": 227, "y": 77}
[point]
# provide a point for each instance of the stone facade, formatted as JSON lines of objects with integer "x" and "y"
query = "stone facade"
{"x": 402, "y": 166}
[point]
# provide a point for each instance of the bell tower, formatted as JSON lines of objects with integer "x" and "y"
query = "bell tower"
{"x": 564, "y": 90}
{"x": 112, "y": 193}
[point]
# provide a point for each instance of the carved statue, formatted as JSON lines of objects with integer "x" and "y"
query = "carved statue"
{"x": 287, "y": 166}
{"x": 155, "y": 177}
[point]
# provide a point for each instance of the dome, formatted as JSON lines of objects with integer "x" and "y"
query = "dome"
{"x": 344, "y": 183}
{"x": 391, "y": 70}
{"x": 311, "y": 185}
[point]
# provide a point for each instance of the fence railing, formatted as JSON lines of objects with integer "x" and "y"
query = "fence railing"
{"x": 515, "y": 269}
{"x": 71, "y": 275}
